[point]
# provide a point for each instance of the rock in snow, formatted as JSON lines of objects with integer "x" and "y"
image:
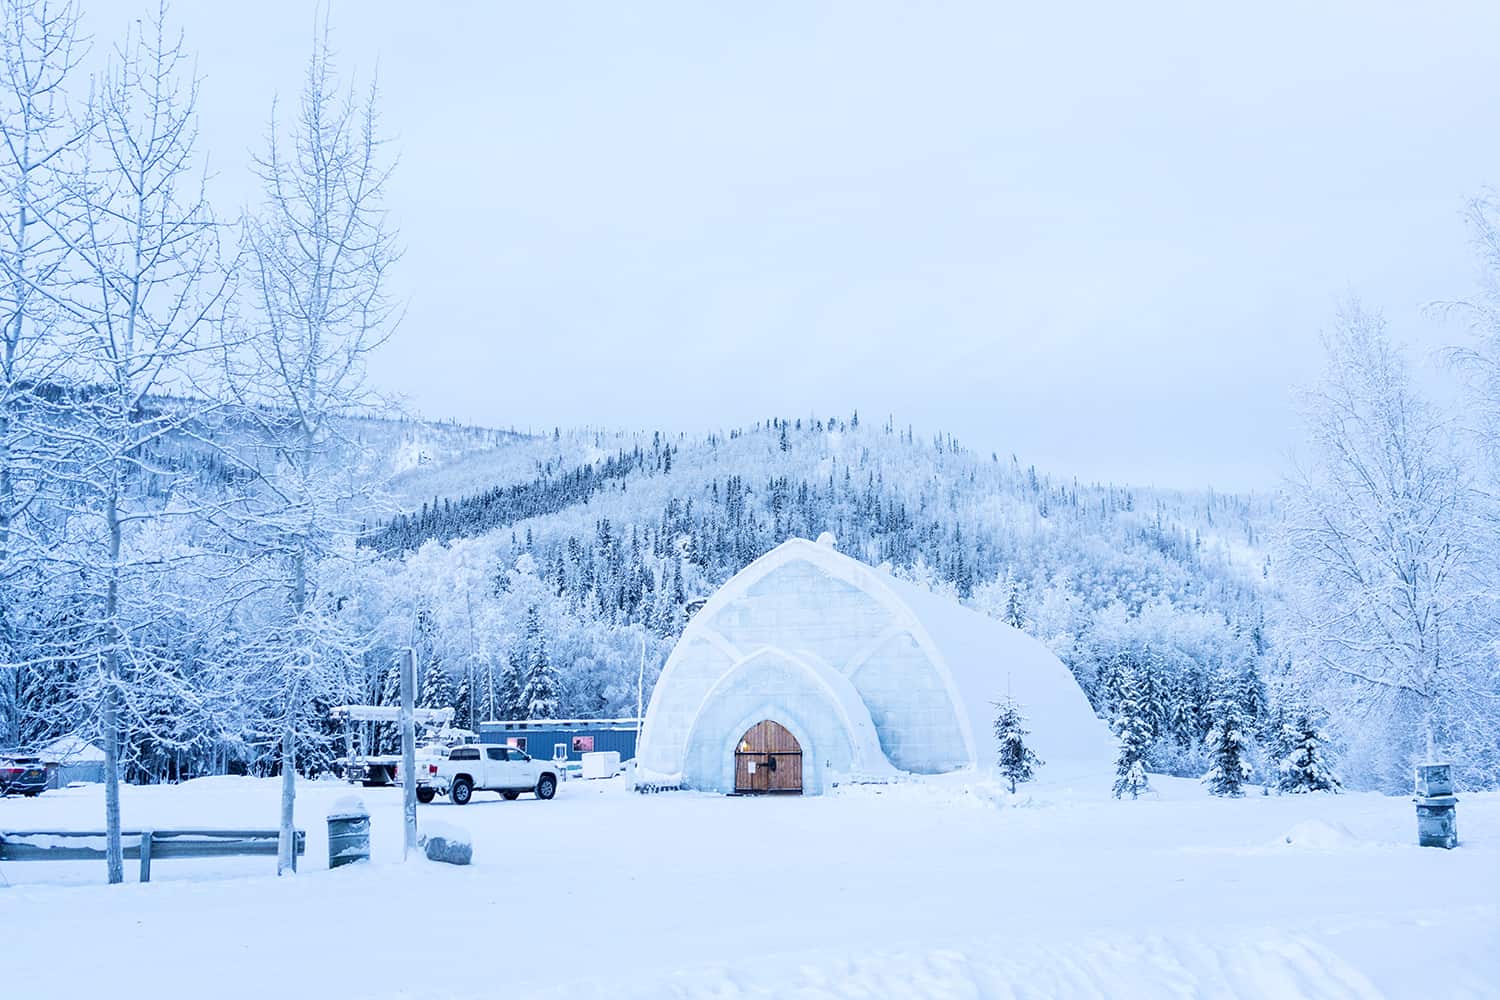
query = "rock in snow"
{"x": 447, "y": 844}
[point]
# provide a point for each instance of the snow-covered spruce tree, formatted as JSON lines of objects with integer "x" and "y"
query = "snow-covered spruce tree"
{"x": 38, "y": 141}
{"x": 539, "y": 696}
{"x": 146, "y": 309}
{"x": 387, "y": 739}
{"x": 1377, "y": 557}
{"x": 437, "y": 686}
{"x": 1133, "y": 728}
{"x": 318, "y": 251}
{"x": 1227, "y": 745}
{"x": 1017, "y": 761}
{"x": 512, "y": 681}
{"x": 1015, "y": 614}
{"x": 1302, "y": 763}
{"x": 463, "y": 703}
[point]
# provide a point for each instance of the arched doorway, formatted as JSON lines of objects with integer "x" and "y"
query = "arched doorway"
{"x": 767, "y": 759}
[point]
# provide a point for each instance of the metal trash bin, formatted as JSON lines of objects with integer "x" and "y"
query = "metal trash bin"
{"x": 348, "y": 832}
{"x": 1437, "y": 807}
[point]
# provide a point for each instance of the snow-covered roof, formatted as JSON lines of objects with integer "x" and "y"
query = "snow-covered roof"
{"x": 988, "y": 658}
{"x": 71, "y": 750}
{"x": 983, "y": 658}
{"x": 391, "y": 713}
{"x": 628, "y": 722}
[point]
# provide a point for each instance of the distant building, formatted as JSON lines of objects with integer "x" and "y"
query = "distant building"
{"x": 70, "y": 759}
{"x": 809, "y": 667}
{"x": 564, "y": 739}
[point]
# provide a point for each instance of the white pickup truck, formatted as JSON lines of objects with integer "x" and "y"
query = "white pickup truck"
{"x": 483, "y": 768}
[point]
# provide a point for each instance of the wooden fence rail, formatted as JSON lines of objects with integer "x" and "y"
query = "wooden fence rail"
{"x": 147, "y": 845}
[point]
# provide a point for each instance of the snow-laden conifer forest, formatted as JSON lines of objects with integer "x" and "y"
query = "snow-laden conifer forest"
{"x": 519, "y": 563}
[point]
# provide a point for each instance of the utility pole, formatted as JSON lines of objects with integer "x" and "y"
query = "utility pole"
{"x": 409, "y": 748}
{"x": 640, "y": 688}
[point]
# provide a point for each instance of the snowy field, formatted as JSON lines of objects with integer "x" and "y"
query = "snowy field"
{"x": 910, "y": 891}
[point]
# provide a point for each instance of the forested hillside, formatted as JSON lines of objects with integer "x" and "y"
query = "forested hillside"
{"x": 569, "y": 572}
{"x": 549, "y": 575}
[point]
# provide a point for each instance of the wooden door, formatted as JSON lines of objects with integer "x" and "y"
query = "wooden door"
{"x": 768, "y": 759}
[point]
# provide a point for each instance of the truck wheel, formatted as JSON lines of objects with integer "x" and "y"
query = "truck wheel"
{"x": 547, "y": 787}
{"x": 425, "y": 795}
{"x": 462, "y": 792}
{"x": 509, "y": 796}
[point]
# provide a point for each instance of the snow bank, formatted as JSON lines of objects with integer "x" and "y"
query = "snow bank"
{"x": 348, "y": 806}
{"x": 1320, "y": 835}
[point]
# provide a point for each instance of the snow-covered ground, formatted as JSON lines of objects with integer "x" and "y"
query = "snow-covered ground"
{"x": 906, "y": 891}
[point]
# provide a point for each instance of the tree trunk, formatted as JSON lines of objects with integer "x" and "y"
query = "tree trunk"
{"x": 286, "y": 844}
{"x": 114, "y": 855}
{"x": 408, "y": 751}
{"x": 1430, "y": 732}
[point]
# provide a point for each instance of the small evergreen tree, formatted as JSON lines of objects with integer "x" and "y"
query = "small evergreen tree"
{"x": 1301, "y": 763}
{"x": 1133, "y": 727}
{"x": 1017, "y": 762}
{"x": 1226, "y": 743}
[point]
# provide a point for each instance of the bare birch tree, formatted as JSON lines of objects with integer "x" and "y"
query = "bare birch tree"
{"x": 1478, "y": 363}
{"x": 40, "y": 51}
{"x": 318, "y": 251}
{"x": 1479, "y": 360}
{"x": 1374, "y": 549}
{"x": 147, "y": 308}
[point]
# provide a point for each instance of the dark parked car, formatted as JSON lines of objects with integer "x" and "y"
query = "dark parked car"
{"x": 22, "y": 776}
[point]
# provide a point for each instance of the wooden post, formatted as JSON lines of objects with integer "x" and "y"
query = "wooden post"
{"x": 145, "y": 855}
{"x": 409, "y": 749}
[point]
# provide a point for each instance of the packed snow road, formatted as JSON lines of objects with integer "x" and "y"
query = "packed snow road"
{"x": 909, "y": 891}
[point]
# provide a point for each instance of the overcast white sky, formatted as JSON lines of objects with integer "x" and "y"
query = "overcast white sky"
{"x": 1103, "y": 236}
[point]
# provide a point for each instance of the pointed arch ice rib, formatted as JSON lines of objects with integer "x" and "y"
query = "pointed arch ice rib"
{"x": 810, "y": 699}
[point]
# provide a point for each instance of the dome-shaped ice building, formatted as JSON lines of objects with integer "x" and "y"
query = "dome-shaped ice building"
{"x": 809, "y": 668}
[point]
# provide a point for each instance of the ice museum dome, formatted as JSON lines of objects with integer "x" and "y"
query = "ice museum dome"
{"x": 809, "y": 667}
